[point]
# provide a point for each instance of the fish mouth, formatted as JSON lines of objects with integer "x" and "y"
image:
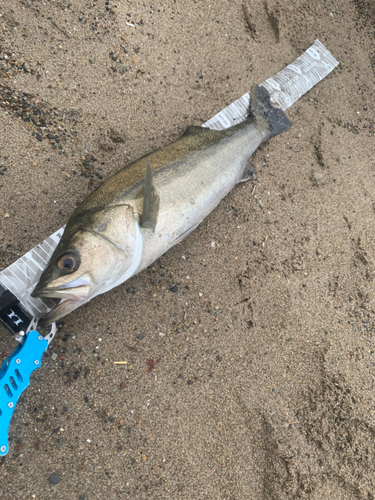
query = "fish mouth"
{"x": 70, "y": 299}
{"x": 64, "y": 307}
{"x": 73, "y": 293}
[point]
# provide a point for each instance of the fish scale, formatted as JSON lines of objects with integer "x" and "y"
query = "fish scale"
{"x": 134, "y": 173}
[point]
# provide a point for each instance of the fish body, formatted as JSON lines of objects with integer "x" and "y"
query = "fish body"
{"x": 150, "y": 205}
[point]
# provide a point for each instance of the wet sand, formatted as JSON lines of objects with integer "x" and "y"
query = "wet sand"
{"x": 250, "y": 346}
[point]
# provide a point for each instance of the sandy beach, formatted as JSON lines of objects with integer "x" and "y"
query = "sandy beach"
{"x": 247, "y": 350}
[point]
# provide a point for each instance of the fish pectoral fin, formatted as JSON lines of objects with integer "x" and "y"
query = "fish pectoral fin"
{"x": 194, "y": 130}
{"x": 247, "y": 174}
{"x": 150, "y": 202}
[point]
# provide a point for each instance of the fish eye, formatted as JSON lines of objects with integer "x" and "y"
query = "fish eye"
{"x": 67, "y": 263}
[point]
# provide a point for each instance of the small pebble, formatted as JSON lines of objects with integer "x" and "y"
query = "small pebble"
{"x": 54, "y": 479}
{"x": 53, "y": 356}
{"x": 174, "y": 288}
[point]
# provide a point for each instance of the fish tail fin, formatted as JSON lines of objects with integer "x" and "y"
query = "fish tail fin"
{"x": 260, "y": 105}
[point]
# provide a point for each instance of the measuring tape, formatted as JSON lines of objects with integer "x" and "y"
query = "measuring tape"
{"x": 18, "y": 309}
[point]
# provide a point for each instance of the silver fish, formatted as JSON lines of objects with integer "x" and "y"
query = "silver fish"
{"x": 150, "y": 205}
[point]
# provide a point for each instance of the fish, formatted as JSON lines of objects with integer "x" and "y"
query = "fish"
{"x": 150, "y": 205}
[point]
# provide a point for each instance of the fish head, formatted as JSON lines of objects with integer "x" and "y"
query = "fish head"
{"x": 97, "y": 252}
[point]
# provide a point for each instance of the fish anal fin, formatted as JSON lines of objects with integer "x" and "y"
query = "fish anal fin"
{"x": 151, "y": 202}
{"x": 247, "y": 174}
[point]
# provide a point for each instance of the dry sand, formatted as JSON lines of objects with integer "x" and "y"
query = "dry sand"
{"x": 265, "y": 384}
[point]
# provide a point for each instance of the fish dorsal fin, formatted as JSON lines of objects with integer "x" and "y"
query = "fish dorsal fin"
{"x": 195, "y": 130}
{"x": 150, "y": 202}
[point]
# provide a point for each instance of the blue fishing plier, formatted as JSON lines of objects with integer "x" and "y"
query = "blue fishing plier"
{"x": 17, "y": 368}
